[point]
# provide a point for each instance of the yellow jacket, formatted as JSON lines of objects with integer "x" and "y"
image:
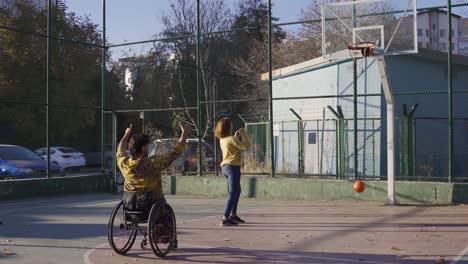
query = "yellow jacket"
{"x": 145, "y": 174}
{"x": 232, "y": 148}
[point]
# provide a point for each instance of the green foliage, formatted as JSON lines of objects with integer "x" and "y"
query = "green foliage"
{"x": 75, "y": 77}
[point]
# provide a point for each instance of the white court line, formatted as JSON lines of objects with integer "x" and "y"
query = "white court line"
{"x": 460, "y": 256}
{"x": 47, "y": 201}
{"x": 88, "y": 253}
{"x": 55, "y": 205}
{"x": 293, "y": 255}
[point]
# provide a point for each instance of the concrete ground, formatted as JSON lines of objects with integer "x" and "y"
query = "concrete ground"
{"x": 72, "y": 229}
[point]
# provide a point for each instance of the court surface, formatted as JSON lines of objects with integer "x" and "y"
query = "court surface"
{"x": 72, "y": 229}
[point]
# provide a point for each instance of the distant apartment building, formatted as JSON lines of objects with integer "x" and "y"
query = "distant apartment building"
{"x": 463, "y": 36}
{"x": 433, "y": 31}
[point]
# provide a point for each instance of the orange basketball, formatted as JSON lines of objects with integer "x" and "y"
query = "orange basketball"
{"x": 359, "y": 186}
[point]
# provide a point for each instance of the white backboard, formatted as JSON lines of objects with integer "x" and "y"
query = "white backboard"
{"x": 391, "y": 24}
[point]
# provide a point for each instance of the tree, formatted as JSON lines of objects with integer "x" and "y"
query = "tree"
{"x": 75, "y": 76}
{"x": 181, "y": 21}
{"x": 251, "y": 59}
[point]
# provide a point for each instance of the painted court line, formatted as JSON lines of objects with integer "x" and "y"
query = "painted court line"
{"x": 89, "y": 252}
{"x": 48, "y": 202}
{"x": 460, "y": 256}
{"x": 54, "y": 205}
{"x": 293, "y": 255}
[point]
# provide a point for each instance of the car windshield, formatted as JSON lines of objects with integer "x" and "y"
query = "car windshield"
{"x": 17, "y": 153}
{"x": 67, "y": 150}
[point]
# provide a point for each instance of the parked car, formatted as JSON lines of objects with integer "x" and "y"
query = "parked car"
{"x": 8, "y": 172}
{"x": 17, "y": 162}
{"x": 65, "y": 157}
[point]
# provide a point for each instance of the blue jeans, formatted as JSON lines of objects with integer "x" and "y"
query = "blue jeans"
{"x": 232, "y": 174}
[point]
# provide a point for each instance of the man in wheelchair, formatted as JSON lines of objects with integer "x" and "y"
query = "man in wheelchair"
{"x": 143, "y": 184}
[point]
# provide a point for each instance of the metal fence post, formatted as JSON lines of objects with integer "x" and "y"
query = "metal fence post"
{"x": 114, "y": 150}
{"x": 450, "y": 93}
{"x": 48, "y": 82}
{"x": 270, "y": 80}
{"x": 355, "y": 118}
{"x": 103, "y": 85}
{"x": 300, "y": 141}
{"x": 199, "y": 114}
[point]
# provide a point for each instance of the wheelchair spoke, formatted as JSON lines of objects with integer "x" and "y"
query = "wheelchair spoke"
{"x": 121, "y": 234}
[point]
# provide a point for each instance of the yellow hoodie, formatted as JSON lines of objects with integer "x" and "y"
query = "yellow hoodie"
{"x": 232, "y": 148}
{"x": 144, "y": 174}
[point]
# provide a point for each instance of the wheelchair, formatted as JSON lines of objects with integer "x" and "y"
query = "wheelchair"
{"x": 158, "y": 226}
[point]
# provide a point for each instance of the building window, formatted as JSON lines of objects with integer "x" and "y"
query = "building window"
{"x": 419, "y": 32}
{"x": 442, "y": 33}
{"x": 427, "y": 32}
{"x": 427, "y": 45}
{"x": 443, "y": 46}
{"x": 419, "y": 44}
{"x": 451, "y": 32}
{"x": 453, "y": 46}
{"x": 312, "y": 138}
{"x": 433, "y": 26}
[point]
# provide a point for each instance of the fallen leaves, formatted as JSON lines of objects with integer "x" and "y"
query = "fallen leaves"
{"x": 394, "y": 248}
{"x": 441, "y": 260}
{"x": 8, "y": 252}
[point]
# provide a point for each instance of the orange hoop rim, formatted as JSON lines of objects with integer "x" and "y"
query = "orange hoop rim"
{"x": 366, "y": 48}
{"x": 361, "y": 45}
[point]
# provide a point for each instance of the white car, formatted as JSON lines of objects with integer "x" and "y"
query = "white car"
{"x": 65, "y": 157}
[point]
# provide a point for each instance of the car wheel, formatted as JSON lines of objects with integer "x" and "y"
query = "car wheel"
{"x": 8, "y": 177}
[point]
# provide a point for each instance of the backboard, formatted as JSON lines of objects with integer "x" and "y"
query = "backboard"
{"x": 390, "y": 24}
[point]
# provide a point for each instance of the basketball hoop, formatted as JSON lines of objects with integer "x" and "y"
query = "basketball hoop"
{"x": 366, "y": 48}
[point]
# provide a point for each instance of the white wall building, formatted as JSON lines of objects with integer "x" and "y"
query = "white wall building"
{"x": 463, "y": 36}
{"x": 433, "y": 30}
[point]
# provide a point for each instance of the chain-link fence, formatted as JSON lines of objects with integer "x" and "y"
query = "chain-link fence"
{"x": 73, "y": 75}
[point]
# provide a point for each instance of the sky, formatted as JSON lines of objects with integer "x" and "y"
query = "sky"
{"x": 130, "y": 21}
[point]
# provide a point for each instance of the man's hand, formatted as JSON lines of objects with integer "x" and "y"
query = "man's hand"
{"x": 129, "y": 130}
{"x": 186, "y": 130}
{"x": 123, "y": 141}
{"x": 240, "y": 133}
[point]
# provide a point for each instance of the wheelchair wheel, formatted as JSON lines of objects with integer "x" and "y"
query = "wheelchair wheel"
{"x": 120, "y": 234}
{"x": 162, "y": 229}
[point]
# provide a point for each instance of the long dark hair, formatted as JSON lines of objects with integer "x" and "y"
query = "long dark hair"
{"x": 223, "y": 128}
{"x": 136, "y": 144}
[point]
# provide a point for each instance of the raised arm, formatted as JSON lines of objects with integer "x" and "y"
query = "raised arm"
{"x": 241, "y": 140}
{"x": 124, "y": 141}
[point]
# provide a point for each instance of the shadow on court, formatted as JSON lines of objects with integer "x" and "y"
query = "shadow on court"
{"x": 310, "y": 232}
{"x": 72, "y": 229}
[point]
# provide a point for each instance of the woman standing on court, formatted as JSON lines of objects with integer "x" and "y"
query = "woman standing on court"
{"x": 231, "y": 147}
